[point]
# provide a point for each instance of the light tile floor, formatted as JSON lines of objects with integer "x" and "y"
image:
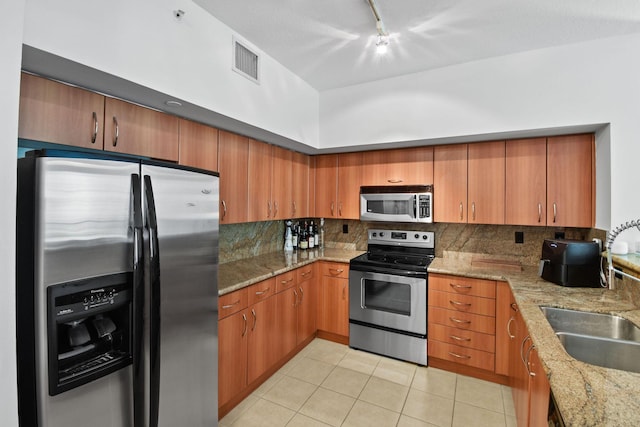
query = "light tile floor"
{"x": 329, "y": 384}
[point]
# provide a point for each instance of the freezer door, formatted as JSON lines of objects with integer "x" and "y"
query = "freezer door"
{"x": 82, "y": 230}
{"x": 186, "y": 209}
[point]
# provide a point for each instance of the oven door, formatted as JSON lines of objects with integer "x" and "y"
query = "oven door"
{"x": 389, "y": 300}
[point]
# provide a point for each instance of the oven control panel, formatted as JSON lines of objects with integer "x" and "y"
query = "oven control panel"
{"x": 402, "y": 238}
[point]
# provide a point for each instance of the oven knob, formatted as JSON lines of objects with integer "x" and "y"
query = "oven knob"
{"x": 425, "y": 237}
{"x": 381, "y": 234}
{"x": 417, "y": 236}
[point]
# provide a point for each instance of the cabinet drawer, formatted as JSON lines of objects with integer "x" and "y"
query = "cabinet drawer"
{"x": 462, "y": 320}
{"x": 461, "y": 355}
{"x": 285, "y": 280}
{"x": 232, "y": 303}
{"x": 335, "y": 269}
{"x": 465, "y": 303}
{"x": 462, "y": 337}
{"x": 305, "y": 273}
{"x": 262, "y": 290}
{"x": 463, "y": 285}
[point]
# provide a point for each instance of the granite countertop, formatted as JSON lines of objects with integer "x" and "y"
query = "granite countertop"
{"x": 239, "y": 274}
{"x": 586, "y": 395}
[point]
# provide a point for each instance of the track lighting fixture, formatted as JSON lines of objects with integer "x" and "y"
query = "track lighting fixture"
{"x": 382, "y": 43}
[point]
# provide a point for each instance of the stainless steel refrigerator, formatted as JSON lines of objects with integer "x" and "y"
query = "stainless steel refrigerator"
{"x": 117, "y": 292}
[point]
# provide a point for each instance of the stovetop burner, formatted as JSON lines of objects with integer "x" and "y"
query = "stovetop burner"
{"x": 407, "y": 250}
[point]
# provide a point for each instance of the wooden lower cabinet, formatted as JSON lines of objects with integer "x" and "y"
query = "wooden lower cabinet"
{"x": 333, "y": 314}
{"x": 260, "y": 327}
{"x": 232, "y": 356}
{"x": 529, "y": 383}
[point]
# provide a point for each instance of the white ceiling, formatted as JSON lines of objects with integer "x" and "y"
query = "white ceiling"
{"x": 331, "y": 43}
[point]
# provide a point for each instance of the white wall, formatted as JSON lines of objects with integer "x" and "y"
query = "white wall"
{"x": 588, "y": 83}
{"x": 11, "y": 21}
{"x": 190, "y": 59}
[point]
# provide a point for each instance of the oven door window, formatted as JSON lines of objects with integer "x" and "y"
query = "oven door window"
{"x": 386, "y": 296}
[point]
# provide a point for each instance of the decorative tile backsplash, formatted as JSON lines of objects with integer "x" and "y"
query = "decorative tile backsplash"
{"x": 238, "y": 241}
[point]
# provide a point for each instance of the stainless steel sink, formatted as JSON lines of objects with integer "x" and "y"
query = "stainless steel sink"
{"x": 594, "y": 324}
{"x": 605, "y": 352}
{"x": 599, "y": 339}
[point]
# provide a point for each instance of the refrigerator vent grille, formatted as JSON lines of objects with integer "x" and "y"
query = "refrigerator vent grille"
{"x": 245, "y": 61}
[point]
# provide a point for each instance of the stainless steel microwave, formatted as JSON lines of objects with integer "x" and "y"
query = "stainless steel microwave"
{"x": 396, "y": 203}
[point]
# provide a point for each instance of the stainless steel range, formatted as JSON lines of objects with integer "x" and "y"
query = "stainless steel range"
{"x": 388, "y": 294}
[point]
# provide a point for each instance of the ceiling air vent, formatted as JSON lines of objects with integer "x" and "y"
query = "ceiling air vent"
{"x": 245, "y": 61}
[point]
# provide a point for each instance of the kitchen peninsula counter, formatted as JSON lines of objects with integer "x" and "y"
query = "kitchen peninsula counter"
{"x": 239, "y": 274}
{"x": 586, "y": 395}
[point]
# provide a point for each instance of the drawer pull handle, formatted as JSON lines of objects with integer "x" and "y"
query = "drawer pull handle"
{"x": 231, "y": 305}
{"x": 263, "y": 292}
{"x": 305, "y": 273}
{"x": 459, "y": 356}
{"x": 459, "y": 338}
{"x": 336, "y": 270}
{"x": 455, "y": 286}
{"x": 458, "y": 303}
{"x": 453, "y": 319}
{"x": 284, "y": 282}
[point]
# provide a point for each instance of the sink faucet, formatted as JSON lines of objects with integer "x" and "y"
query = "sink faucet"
{"x": 612, "y": 237}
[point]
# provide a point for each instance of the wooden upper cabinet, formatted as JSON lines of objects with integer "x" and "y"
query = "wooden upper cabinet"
{"x": 312, "y": 187}
{"x": 300, "y": 187}
{"x": 281, "y": 183}
{"x": 198, "y": 145}
{"x": 403, "y": 166}
{"x": 570, "y": 181}
{"x": 326, "y": 181}
{"x": 526, "y": 182}
{"x": 140, "y": 131}
{"x": 260, "y": 207}
{"x": 349, "y": 181}
{"x": 486, "y": 182}
{"x": 61, "y": 114}
{"x": 233, "y": 156}
{"x": 450, "y": 183}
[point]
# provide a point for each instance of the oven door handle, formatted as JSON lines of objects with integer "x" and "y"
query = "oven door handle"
{"x": 362, "y": 306}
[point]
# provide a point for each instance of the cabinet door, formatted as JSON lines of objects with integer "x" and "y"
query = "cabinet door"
{"x": 349, "y": 179}
{"x": 198, "y": 145}
{"x": 287, "y": 302}
{"x": 54, "y": 112}
{"x": 263, "y": 338}
{"x": 526, "y": 182}
{"x": 450, "y": 183}
{"x": 403, "y": 166}
{"x": 300, "y": 186}
{"x": 570, "y": 181}
{"x": 232, "y": 355}
{"x": 141, "y": 131}
{"x": 505, "y": 316}
{"x": 486, "y": 181}
{"x": 233, "y": 162}
{"x": 307, "y": 303}
{"x": 519, "y": 374}
{"x": 334, "y": 310}
{"x": 539, "y": 390}
{"x": 281, "y": 181}
{"x": 326, "y": 185}
{"x": 260, "y": 206}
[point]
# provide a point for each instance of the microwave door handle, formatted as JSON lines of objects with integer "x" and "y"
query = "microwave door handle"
{"x": 154, "y": 329}
{"x": 138, "y": 304}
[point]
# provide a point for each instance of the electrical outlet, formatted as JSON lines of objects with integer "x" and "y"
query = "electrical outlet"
{"x": 345, "y": 228}
{"x": 519, "y": 237}
{"x": 559, "y": 235}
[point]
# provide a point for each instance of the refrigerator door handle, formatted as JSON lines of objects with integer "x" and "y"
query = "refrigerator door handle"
{"x": 138, "y": 303}
{"x": 154, "y": 329}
